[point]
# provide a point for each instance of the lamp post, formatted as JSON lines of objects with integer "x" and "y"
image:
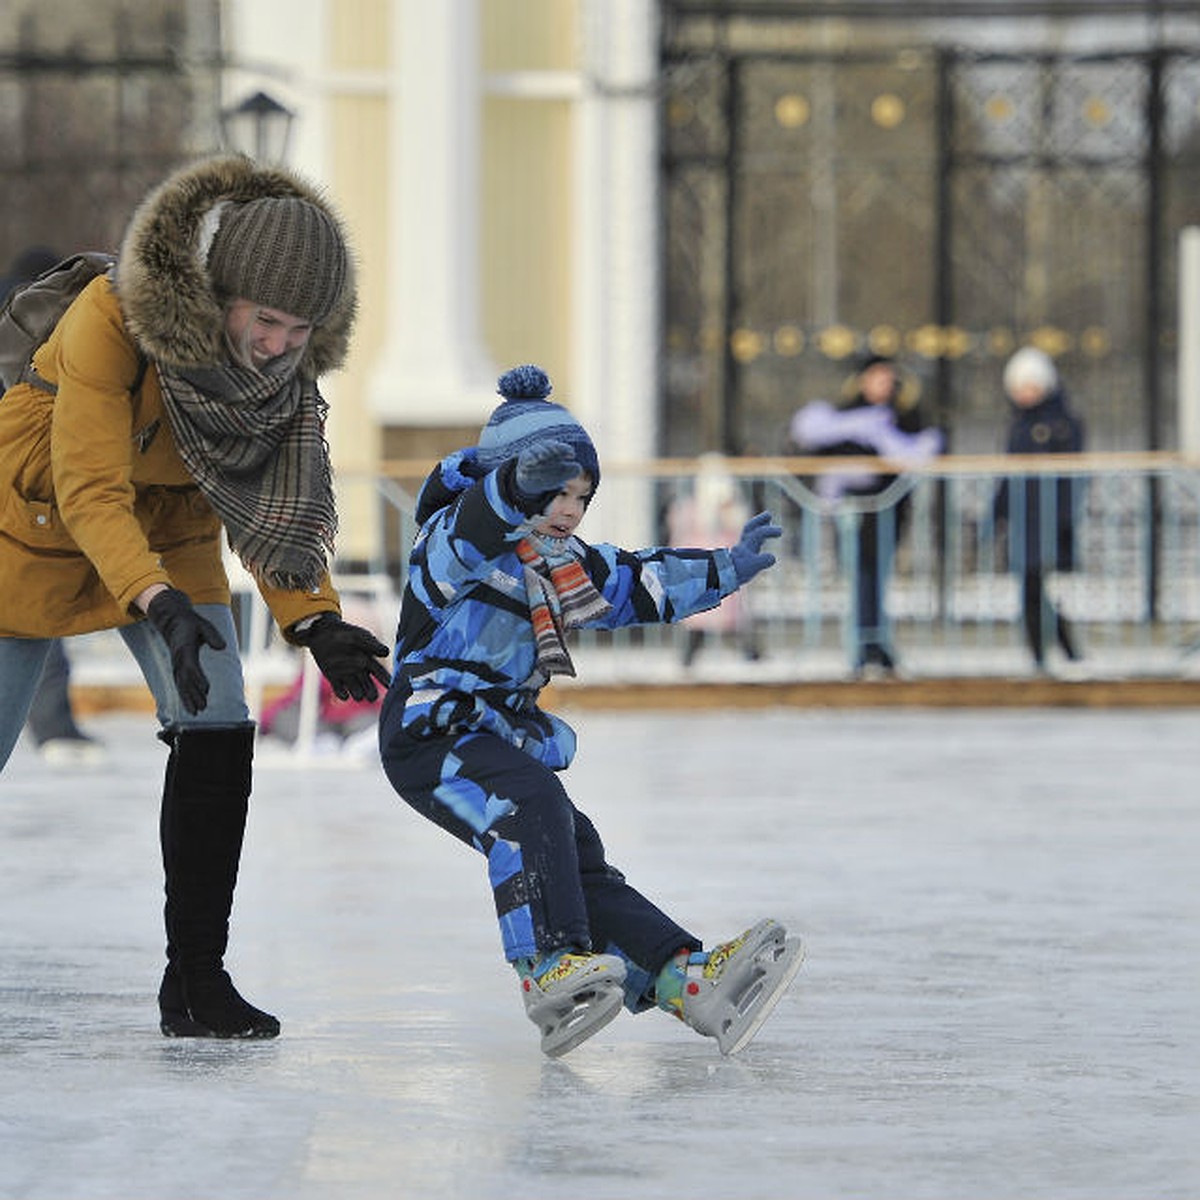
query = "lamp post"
{"x": 259, "y": 126}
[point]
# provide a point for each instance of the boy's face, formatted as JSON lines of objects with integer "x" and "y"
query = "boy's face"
{"x": 565, "y": 511}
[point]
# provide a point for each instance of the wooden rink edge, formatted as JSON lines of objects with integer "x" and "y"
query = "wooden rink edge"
{"x": 966, "y": 692}
{"x": 890, "y": 693}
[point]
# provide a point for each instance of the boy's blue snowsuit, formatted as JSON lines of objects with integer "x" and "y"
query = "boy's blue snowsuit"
{"x": 464, "y": 742}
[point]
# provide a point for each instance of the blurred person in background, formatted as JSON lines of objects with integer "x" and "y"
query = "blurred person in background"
{"x": 880, "y": 419}
{"x": 711, "y": 514}
{"x": 52, "y": 722}
{"x": 1040, "y": 510}
{"x": 344, "y": 726}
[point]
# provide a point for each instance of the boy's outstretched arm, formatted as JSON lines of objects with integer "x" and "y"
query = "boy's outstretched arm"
{"x": 667, "y": 583}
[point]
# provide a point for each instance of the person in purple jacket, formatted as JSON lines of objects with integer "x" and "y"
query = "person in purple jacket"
{"x": 875, "y": 422}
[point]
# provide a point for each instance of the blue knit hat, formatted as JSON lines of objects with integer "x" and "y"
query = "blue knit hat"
{"x": 526, "y": 417}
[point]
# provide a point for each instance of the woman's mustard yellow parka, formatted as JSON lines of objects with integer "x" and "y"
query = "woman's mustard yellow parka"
{"x": 95, "y": 501}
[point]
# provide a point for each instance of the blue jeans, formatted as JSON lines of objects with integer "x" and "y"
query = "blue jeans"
{"x": 21, "y": 661}
{"x": 870, "y": 545}
{"x": 50, "y": 714}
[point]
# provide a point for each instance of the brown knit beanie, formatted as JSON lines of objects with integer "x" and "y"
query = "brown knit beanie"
{"x": 283, "y": 252}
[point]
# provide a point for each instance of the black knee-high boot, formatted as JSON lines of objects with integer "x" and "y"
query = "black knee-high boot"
{"x": 204, "y": 805}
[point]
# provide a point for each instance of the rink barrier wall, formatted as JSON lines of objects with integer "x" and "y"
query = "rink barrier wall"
{"x": 978, "y": 693}
{"x": 1134, "y": 597}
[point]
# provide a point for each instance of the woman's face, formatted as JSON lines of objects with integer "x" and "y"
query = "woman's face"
{"x": 257, "y": 334}
{"x": 878, "y": 383}
{"x": 565, "y": 511}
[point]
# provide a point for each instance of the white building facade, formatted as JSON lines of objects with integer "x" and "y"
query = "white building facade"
{"x": 497, "y": 163}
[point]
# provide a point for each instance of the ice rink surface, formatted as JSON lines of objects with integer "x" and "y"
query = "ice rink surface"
{"x": 1000, "y": 999}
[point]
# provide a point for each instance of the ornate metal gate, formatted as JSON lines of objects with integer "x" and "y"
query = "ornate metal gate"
{"x": 944, "y": 202}
{"x": 97, "y": 102}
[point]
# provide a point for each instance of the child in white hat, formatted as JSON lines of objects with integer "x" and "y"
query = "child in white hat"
{"x": 1040, "y": 509}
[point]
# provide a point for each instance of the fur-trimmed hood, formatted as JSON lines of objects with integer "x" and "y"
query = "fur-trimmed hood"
{"x": 162, "y": 278}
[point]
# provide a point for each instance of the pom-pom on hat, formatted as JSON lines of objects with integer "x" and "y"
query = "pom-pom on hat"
{"x": 283, "y": 252}
{"x": 1030, "y": 366}
{"x": 527, "y": 417}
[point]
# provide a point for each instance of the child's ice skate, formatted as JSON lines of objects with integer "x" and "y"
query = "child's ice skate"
{"x": 569, "y": 996}
{"x": 728, "y": 992}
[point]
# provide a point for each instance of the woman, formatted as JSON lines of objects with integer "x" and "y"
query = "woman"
{"x": 176, "y": 403}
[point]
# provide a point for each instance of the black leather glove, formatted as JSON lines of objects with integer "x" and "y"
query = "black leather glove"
{"x": 540, "y": 473}
{"x": 347, "y": 655}
{"x": 185, "y": 631}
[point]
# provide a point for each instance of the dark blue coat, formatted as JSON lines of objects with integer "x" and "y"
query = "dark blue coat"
{"x": 1041, "y": 510}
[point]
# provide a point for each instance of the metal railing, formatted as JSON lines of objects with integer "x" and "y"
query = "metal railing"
{"x": 954, "y": 597}
{"x": 1132, "y": 594}
{"x": 953, "y": 600}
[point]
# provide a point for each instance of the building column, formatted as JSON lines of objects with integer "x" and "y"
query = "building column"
{"x": 433, "y": 370}
{"x": 617, "y": 280}
{"x": 1189, "y": 341}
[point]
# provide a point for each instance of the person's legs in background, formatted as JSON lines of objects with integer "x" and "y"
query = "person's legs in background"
{"x": 21, "y": 662}
{"x": 692, "y": 641}
{"x": 873, "y": 565}
{"x": 1041, "y": 617}
{"x": 51, "y": 721}
{"x": 1033, "y": 615}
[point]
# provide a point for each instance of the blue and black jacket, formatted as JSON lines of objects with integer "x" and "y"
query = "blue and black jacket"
{"x": 466, "y": 656}
{"x": 1042, "y": 509}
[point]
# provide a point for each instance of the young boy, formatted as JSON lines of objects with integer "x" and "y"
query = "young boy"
{"x": 496, "y": 577}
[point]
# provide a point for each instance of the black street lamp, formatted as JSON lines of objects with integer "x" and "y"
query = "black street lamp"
{"x": 259, "y": 126}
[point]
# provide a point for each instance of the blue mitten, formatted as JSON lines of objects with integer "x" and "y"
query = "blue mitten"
{"x": 541, "y": 471}
{"x": 747, "y": 555}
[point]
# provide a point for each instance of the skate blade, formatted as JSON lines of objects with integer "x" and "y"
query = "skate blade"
{"x": 757, "y": 1002}
{"x": 577, "y": 1018}
{"x": 187, "y": 1028}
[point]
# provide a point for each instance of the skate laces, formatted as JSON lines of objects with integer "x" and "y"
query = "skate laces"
{"x": 554, "y": 968}
{"x": 569, "y": 994}
{"x": 717, "y": 958}
{"x": 681, "y": 977}
{"x": 727, "y": 992}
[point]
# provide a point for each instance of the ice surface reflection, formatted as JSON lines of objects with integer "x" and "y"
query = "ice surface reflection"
{"x": 999, "y": 997}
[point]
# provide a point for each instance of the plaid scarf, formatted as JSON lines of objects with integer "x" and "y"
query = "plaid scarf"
{"x": 255, "y": 445}
{"x": 561, "y": 596}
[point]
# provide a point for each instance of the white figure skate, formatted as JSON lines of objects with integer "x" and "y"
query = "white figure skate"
{"x": 575, "y": 998}
{"x": 731, "y": 991}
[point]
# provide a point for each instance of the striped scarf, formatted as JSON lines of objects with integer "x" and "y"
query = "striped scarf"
{"x": 255, "y": 445}
{"x": 561, "y": 596}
